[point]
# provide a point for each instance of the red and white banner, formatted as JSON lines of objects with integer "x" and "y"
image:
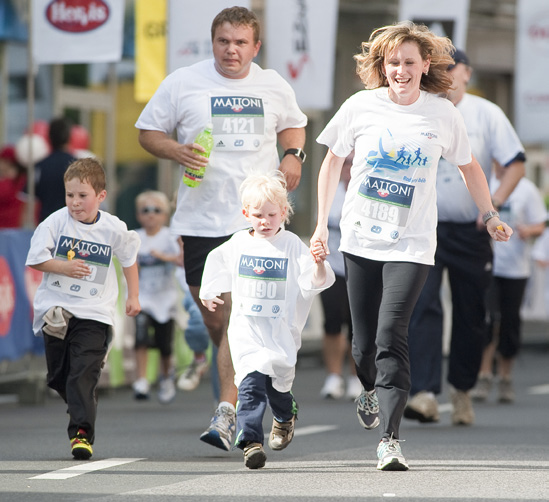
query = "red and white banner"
{"x": 189, "y": 29}
{"x": 300, "y": 44}
{"x": 447, "y": 18}
{"x": 77, "y": 31}
{"x": 532, "y": 61}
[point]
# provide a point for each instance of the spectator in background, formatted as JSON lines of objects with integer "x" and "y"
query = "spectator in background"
{"x": 154, "y": 325}
{"x": 50, "y": 189}
{"x": 465, "y": 250}
{"x": 335, "y": 304}
{"x": 13, "y": 178}
{"x": 525, "y": 211}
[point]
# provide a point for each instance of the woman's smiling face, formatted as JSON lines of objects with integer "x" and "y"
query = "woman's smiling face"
{"x": 403, "y": 68}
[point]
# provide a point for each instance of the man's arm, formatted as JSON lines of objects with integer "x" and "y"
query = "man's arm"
{"x": 290, "y": 165}
{"x": 512, "y": 175}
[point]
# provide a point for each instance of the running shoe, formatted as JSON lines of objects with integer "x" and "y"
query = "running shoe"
{"x": 334, "y": 387}
{"x": 354, "y": 387}
{"x": 281, "y": 434}
{"x": 221, "y": 429}
{"x": 254, "y": 456}
{"x": 506, "y": 391}
{"x": 462, "y": 408}
{"x": 190, "y": 378}
{"x": 166, "y": 390}
{"x": 482, "y": 389}
{"x": 367, "y": 409}
{"x": 80, "y": 446}
{"x": 141, "y": 389}
{"x": 390, "y": 456}
{"x": 423, "y": 406}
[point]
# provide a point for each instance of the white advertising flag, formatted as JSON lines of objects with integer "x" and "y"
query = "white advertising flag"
{"x": 77, "y": 31}
{"x": 531, "y": 71}
{"x": 189, "y": 29}
{"x": 300, "y": 44}
{"x": 448, "y": 18}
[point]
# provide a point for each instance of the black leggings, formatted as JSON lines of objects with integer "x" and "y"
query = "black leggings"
{"x": 382, "y": 296}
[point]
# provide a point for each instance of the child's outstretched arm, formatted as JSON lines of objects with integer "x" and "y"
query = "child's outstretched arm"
{"x": 212, "y": 303}
{"x": 131, "y": 274}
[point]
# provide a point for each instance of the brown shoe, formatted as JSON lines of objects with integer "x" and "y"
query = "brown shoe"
{"x": 282, "y": 434}
{"x": 254, "y": 456}
{"x": 423, "y": 407}
{"x": 462, "y": 413}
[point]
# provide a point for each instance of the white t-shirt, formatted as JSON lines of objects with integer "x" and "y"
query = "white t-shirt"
{"x": 270, "y": 281}
{"x": 492, "y": 137}
{"x": 246, "y": 114}
{"x": 95, "y": 296}
{"x": 157, "y": 292}
{"x": 390, "y": 212}
{"x": 525, "y": 206}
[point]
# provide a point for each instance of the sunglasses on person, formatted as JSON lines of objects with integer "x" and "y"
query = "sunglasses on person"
{"x": 151, "y": 209}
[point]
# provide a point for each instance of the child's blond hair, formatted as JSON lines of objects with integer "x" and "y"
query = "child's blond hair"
{"x": 260, "y": 188}
{"x": 88, "y": 170}
{"x": 159, "y": 197}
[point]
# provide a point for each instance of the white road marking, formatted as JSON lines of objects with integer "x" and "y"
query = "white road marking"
{"x": 539, "y": 389}
{"x": 77, "y": 470}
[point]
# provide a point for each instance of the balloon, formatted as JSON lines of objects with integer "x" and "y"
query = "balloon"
{"x": 40, "y": 149}
{"x": 42, "y": 128}
{"x": 79, "y": 139}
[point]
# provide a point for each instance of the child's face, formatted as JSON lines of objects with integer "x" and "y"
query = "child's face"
{"x": 266, "y": 218}
{"x": 82, "y": 201}
{"x": 151, "y": 215}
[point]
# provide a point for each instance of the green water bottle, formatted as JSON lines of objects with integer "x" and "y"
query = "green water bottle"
{"x": 193, "y": 177}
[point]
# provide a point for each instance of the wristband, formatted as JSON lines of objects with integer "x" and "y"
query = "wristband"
{"x": 488, "y": 215}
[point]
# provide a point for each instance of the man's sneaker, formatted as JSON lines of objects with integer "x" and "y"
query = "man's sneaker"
{"x": 282, "y": 434}
{"x": 462, "y": 412}
{"x": 166, "y": 390}
{"x": 390, "y": 456}
{"x": 482, "y": 388}
{"x": 80, "y": 447}
{"x": 190, "y": 378}
{"x": 506, "y": 392}
{"x": 221, "y": 429}
{"x": 334, "y": 387}
{"x": 141, "y": 388}
{"x": 254, "y": 456}
{"x": 423, "y": 406}
{"x": 354, "y": 387}
{"x": 367, "y": 409}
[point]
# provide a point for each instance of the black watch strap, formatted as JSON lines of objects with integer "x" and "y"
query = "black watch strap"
{"x": 298, "y": 152}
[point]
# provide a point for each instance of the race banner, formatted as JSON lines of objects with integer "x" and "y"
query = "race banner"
{"x": 532, "y": 60}
{"x": 189, "y": 30}
{"x": 300, "y": 44}
{"x": 150, "y": 47}
{"x": 447, "y": 18}
{"x": 77, "y": 31}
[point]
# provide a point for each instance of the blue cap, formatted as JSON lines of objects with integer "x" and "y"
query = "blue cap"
{"x": 459, "y": 57}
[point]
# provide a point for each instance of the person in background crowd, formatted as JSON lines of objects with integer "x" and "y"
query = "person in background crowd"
{"x": 525, "y": 211}
{"x": 13, "y": 178}
{"x": 252, "y": 110}
{"x": 335, "y": 304}
{"x": 465, "y": 251}
{"x": 399, "y": 127}
{"x": 50, "y": 190}
{"x": 154, "y": 325}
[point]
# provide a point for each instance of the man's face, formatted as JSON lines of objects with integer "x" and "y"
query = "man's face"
{"x": 234, "y": 50}
{"x": 461, "y": 74}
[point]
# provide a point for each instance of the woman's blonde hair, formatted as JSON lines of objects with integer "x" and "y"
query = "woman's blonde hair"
{"x": 257, "y": 189}
{"x": 383, "y": 41}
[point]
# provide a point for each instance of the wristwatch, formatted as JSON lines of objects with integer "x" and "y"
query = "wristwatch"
{"x": 488, "y": 215}
{"x": 298, "y": 152}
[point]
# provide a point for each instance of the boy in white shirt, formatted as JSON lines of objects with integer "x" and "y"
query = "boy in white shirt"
{"x": 74, "y": 306}
{"x": 273, "y": 279}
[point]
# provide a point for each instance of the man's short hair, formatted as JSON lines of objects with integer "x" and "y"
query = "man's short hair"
{"x": 237, "y": 16}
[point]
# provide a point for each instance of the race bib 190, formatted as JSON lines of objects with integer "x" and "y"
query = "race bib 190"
{"x": 261, "y": 285}
{"x": 97, "y": 257}
{"x": 382, "y": 208}
{"x": 238, "y": 123}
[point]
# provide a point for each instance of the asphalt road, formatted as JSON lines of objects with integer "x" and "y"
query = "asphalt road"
{"x": 145, "y": 451}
